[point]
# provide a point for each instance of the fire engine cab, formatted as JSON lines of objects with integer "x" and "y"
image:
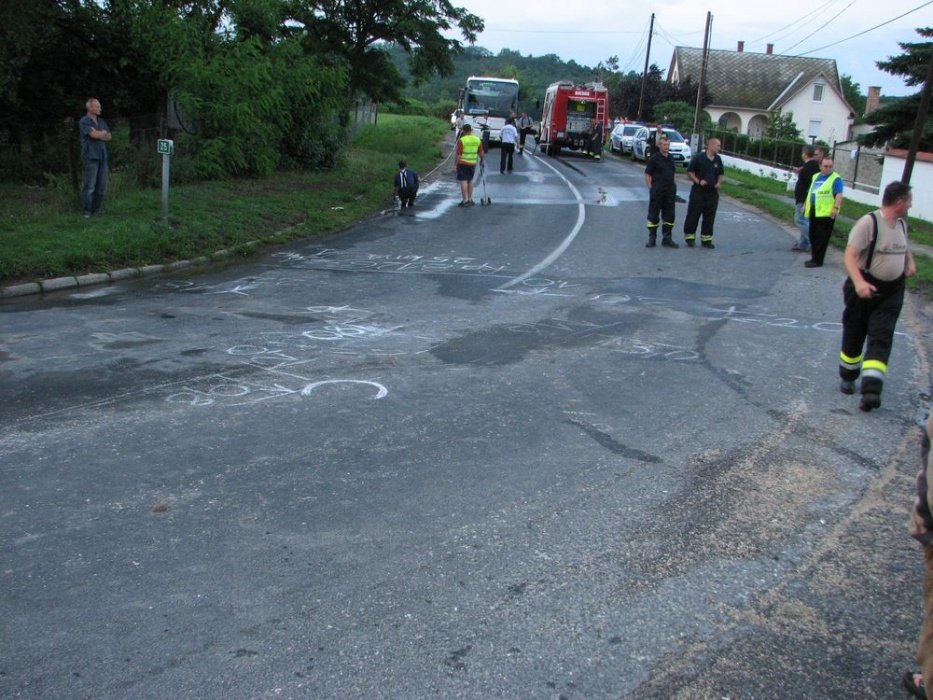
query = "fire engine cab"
{"x": 567, "y": 118}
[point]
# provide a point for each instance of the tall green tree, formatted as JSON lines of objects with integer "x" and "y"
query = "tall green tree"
{"x": 852, "y": 91}
{"x": 355, "y": 33}
{"x": 782, "y": 127}
{"x": 894, "y": 120}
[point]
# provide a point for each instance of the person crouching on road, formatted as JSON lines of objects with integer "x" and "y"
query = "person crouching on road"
{"x": 921, "y": 529}
{"x": 406, "y": 185}
{"x": 469, "y": 152}
{"x": 706, "y": 172}
{"x": 877, "y": 261}
{"x": 824, "y": 201}
{"x": 659, "y": 176}
{"x": 509, "y": 136}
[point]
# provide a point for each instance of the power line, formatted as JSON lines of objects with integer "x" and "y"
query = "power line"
{"x": 551, "y": 31}
{"x": 870, "y": 29}
{"x": 808, "y": 18}
{"x": 636, "y": 53}
{"x": 821, "y": 26}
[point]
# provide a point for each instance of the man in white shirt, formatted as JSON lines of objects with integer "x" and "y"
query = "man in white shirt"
{"x": 509, "y": 136}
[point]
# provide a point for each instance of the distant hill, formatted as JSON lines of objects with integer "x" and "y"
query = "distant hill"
{"x": 534, "y": 74}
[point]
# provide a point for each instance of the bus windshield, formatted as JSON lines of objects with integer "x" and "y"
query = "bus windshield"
{"x": 495, "y": 98}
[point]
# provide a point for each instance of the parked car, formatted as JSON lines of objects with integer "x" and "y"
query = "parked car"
{"x": 620, "y": 140}
{"x": 641, "y": 149}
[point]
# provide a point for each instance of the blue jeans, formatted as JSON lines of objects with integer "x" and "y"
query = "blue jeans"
{"x": 95, "y": 185}
{"x": 803, "y": 224}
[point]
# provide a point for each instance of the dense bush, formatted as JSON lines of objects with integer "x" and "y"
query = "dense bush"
{"x": 255, "y": 110}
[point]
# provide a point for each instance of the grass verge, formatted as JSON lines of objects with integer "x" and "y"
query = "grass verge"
{"x": 43, "y": 235}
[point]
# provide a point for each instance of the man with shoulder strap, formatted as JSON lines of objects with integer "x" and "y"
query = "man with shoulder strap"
{"x": 469, "y": 153}
{"x": 824, "y": 201}
{"x": 525, "y": 125}
{"x": 877, "y": 261}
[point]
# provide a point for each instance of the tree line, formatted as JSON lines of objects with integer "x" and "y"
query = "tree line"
{"x": 262, "y": 84}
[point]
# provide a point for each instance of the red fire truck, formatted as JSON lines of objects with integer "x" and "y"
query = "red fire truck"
{"x": 567, "y": 118}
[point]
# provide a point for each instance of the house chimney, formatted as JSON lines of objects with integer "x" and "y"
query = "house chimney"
{"x": 873, "y": 99}
{"x": 741, "y": 47}
{"x": 770, "y": 49}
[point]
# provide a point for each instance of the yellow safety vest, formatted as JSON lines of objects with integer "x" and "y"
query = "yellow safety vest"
{"x": 825, "y": 199}
{"x": 470, "y": 152}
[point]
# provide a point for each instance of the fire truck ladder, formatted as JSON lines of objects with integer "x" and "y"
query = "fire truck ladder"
{"x": 601, "y": 110}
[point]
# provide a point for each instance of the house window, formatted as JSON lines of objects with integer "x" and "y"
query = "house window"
{"x": 818, "y": 92}
{"x": 814, "y": 129}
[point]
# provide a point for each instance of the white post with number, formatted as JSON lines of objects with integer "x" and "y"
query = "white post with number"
{"x": 165, "y": 147}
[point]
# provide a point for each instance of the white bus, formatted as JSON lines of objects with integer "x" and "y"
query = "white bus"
{"x": 489, "y": 102}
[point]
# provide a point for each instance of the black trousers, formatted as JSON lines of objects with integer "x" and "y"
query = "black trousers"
{"x": 869, "y": 323}
{"x": 407, "y": 195}
{"x": 703, "y": 202}
{"x": 661, "y": 211}
{"x": 505, "y": 159}
{"x": 523, "y": 134}
{"x": 821, "y": 230}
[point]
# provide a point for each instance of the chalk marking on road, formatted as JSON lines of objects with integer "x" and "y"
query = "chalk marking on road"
{"x": 381, "y": 393}
{"x": 557, "y": 252}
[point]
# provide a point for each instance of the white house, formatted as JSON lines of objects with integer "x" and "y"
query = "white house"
{"x": 745, "y": 88}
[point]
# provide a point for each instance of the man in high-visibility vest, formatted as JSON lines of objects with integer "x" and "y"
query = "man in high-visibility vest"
{"x": 469, "y": 153}
{"x": 824, "y": 201}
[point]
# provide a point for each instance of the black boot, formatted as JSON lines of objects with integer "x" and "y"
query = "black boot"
{"x": 668, "y": 242}
{"x": 652, "y": 241}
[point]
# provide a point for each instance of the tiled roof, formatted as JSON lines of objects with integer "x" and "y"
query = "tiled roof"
{"x": 753, "y": 80}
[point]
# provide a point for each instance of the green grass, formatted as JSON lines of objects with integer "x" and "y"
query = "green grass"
{"x": 42, "y": 233}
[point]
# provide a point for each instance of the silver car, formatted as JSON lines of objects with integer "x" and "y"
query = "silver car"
{"x": 680, "y": 149}
{"x": 620, "y": 140}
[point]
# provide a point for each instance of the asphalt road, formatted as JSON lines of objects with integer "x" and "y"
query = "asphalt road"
{"x": 503, "y": 451}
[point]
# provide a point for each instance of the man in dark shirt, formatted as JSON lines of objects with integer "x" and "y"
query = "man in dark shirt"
{"x": 810, "y": 167}
{"x": 94, "y": 137}
{"x": 659, "y": 176}
{"x": 705, "y": 171}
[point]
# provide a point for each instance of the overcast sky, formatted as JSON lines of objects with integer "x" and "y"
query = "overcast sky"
{"x": 600, "y": 28}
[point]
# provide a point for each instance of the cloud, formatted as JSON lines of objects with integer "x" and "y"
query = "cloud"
{"x": 607, "y": 28}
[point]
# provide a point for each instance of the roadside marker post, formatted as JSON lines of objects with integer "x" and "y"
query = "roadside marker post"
{"x": 165, "y": 147}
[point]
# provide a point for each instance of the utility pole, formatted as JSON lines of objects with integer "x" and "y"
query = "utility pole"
{"x": 644, "y": 75}
{"x": 918, "y": 126}
{"x": 695, "y": 138}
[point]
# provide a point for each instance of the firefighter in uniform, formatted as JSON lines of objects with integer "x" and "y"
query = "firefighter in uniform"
{"x": 595, "y": 144}
{"x": 706, "y": 171}
{"x": 877, "y": 261}
{"x": 659, "y": 176}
